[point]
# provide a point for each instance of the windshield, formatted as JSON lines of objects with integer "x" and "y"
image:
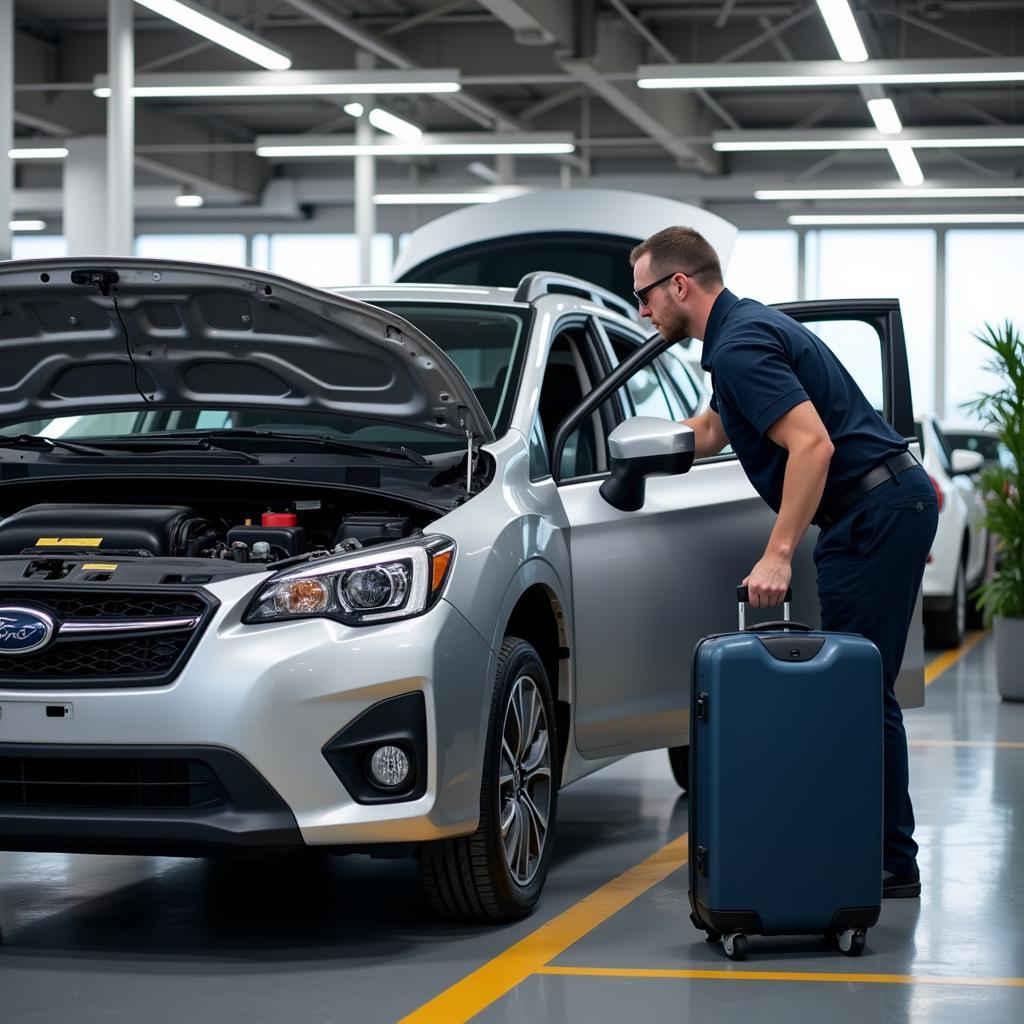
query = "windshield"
{"x": 485, "y": 343}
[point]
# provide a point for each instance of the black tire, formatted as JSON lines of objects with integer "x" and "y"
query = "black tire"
{"x": 740, "y": 948}
{"x": 679, "y": 759}
{"x": 471, "y": 878}
{"x": 857, "y": 944}
{"x": 976, "y": 615}
{"x": 947, "y": 628}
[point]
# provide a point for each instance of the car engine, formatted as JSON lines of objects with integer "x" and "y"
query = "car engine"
{"x": 181, "y": 531}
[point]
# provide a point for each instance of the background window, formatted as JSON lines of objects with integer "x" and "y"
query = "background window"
{"x": 322, "y": 260}
{"x": 224, "y": 249}
{"x": 881, "y": 265}
{"x": 983, "y": 284}
{"x": 38, "y": 247}
{"x": 763, "y": 266}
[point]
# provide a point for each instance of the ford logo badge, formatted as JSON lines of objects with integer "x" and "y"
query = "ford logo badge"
{"x": 23, "y": 630}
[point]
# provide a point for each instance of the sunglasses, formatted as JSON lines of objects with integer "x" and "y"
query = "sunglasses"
{"x": 640, "y": 294}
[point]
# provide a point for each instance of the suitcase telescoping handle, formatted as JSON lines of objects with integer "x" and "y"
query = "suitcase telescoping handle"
{"x": 743, "y": 597}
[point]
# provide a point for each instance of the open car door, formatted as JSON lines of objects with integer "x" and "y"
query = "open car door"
{"x": 867, "y": 337}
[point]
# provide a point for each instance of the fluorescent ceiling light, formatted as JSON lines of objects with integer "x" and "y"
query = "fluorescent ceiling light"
{"x": 41, "y": 153}
{"x": 867, "y": 138}
{"x": 843, "y": 29}
{"x": 188, "y": 201}
{"x": 285, "y": 147}
{"x": 906, "y": 164}
{"x": 242, "y": 84}
{"x": 354, "y": 109}
{"x": 394, "y": 125}
{"x": 445, "y": 198}
{"x": 803, "y": 74}
{"x": 883, "y": 113}
{"x": 840, "y": 219}
{"x": 792, "y": 194}
{"x": 221, "y": 31}
{"x": 27, "y": 225}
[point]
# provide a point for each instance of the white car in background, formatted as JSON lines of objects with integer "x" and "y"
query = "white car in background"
{"x": 960, "y": 554}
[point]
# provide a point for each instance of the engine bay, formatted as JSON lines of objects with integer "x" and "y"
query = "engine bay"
{"x": 239, "y": 530}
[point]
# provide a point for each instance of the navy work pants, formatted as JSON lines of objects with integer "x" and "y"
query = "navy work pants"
{"x": 870, "y": 565}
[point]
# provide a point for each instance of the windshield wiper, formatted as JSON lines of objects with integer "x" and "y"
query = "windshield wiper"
{"x": 352, "y": 447}
{"x": 123, "y": 446}
{"x": 46, "y": 443}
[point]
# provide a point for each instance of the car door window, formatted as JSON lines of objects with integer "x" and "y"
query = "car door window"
{"x": 858, "y": 347}
{"x": 570, "y": 373}
{"x": 687, "y": 389}
{"x": 648, "y": 391}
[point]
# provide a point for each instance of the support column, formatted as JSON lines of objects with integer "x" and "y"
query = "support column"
{"x": 801, "y": 264}
{"x": 940, "y": 323}
{"x": 365, "y": 179}
{"x": 85, "y": 196}
{"x": 6, "y": 125}
{"x": 121, "y": 129}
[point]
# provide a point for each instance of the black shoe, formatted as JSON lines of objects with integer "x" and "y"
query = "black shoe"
{"x": 901, "y": 886}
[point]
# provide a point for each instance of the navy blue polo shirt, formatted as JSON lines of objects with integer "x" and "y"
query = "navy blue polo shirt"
{"x": 762, "y": 364}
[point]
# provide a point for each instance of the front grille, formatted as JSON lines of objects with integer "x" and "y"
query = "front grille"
{"x": 95, "y": 660}
{"x": 88, "y": 659}
{"x": 118, "y": 605}
{"x": 108, "y": 783}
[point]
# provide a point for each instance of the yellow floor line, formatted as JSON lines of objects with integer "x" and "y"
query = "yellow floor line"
{"x": 938, "y": 665}
{"x": 487, "y": 984}
{"x": 734, "y": 975}
{"x": 978, "y": 744}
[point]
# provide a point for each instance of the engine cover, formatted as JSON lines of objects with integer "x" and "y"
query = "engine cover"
{"x": 67, "y": 529}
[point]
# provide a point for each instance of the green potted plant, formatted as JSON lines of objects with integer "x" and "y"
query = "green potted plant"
{"x": 1002, "y": 597}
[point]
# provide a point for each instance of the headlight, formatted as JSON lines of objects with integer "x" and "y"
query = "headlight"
{"x": 380, "y": 584}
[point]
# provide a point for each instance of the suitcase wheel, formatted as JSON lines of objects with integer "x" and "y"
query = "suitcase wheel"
{"x": 852, "y": 941}
{"x": 735, "y": 946}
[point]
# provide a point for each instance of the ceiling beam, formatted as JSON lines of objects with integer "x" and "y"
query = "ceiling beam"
{"x": 475, "y": 109}
{"x": 589, "y": 52}
{"x": 68, "y": 113}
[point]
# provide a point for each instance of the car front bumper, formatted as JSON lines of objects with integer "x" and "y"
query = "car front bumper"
{"x": 265, "y": 699}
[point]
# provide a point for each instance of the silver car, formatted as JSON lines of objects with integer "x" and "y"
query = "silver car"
{"x": 381, "y": 571}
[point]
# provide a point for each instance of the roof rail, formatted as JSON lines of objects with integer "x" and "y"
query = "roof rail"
{"x": 546, "y": 282}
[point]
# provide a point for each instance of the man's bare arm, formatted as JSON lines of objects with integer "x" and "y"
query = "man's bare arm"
{"x": 803, "y": 435}
{"x": 709, "y": 436}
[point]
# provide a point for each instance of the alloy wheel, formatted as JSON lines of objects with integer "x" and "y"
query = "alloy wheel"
{"x": 524, "y": 781}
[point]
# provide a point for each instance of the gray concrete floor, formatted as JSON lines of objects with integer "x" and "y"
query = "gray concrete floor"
{"x": 103, "y": 939}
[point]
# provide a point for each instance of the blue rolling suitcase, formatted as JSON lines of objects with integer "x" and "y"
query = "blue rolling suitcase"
{"x": 785, "y": 784}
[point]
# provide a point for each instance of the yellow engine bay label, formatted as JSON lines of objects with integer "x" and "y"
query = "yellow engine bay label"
{"x": 69, "y": 542}
{"x": 98, "y": 567}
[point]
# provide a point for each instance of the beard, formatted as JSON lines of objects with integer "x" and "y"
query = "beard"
{"x": 674, "y": 324}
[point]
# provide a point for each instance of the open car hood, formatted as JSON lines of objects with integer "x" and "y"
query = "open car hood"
{"x": 84, "y": 335}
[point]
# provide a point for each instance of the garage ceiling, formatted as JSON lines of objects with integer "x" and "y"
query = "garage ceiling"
{"x": 541, "y": 65}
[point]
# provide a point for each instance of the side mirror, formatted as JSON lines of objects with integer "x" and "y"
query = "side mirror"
{"x": 641, "y": 447}
{"x": 964, "y": 462}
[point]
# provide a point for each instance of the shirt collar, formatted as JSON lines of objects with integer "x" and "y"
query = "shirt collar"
{"x": 721, "y": 308}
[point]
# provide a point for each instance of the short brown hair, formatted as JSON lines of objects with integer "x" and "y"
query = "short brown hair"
{"x": 684, "y": 249}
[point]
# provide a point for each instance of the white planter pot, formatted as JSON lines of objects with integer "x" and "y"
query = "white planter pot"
{"x": 1009, "y": 635}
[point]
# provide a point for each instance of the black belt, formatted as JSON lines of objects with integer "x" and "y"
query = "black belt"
{"x": 829, "y": 514}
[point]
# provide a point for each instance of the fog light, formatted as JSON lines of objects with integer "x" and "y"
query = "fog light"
{"x": 389, "y": 767}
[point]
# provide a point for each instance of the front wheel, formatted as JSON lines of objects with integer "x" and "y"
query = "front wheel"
{"x": 498, "y": 872}
{"x": 947, "y": 628}
{"x": 679, "y": 759}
